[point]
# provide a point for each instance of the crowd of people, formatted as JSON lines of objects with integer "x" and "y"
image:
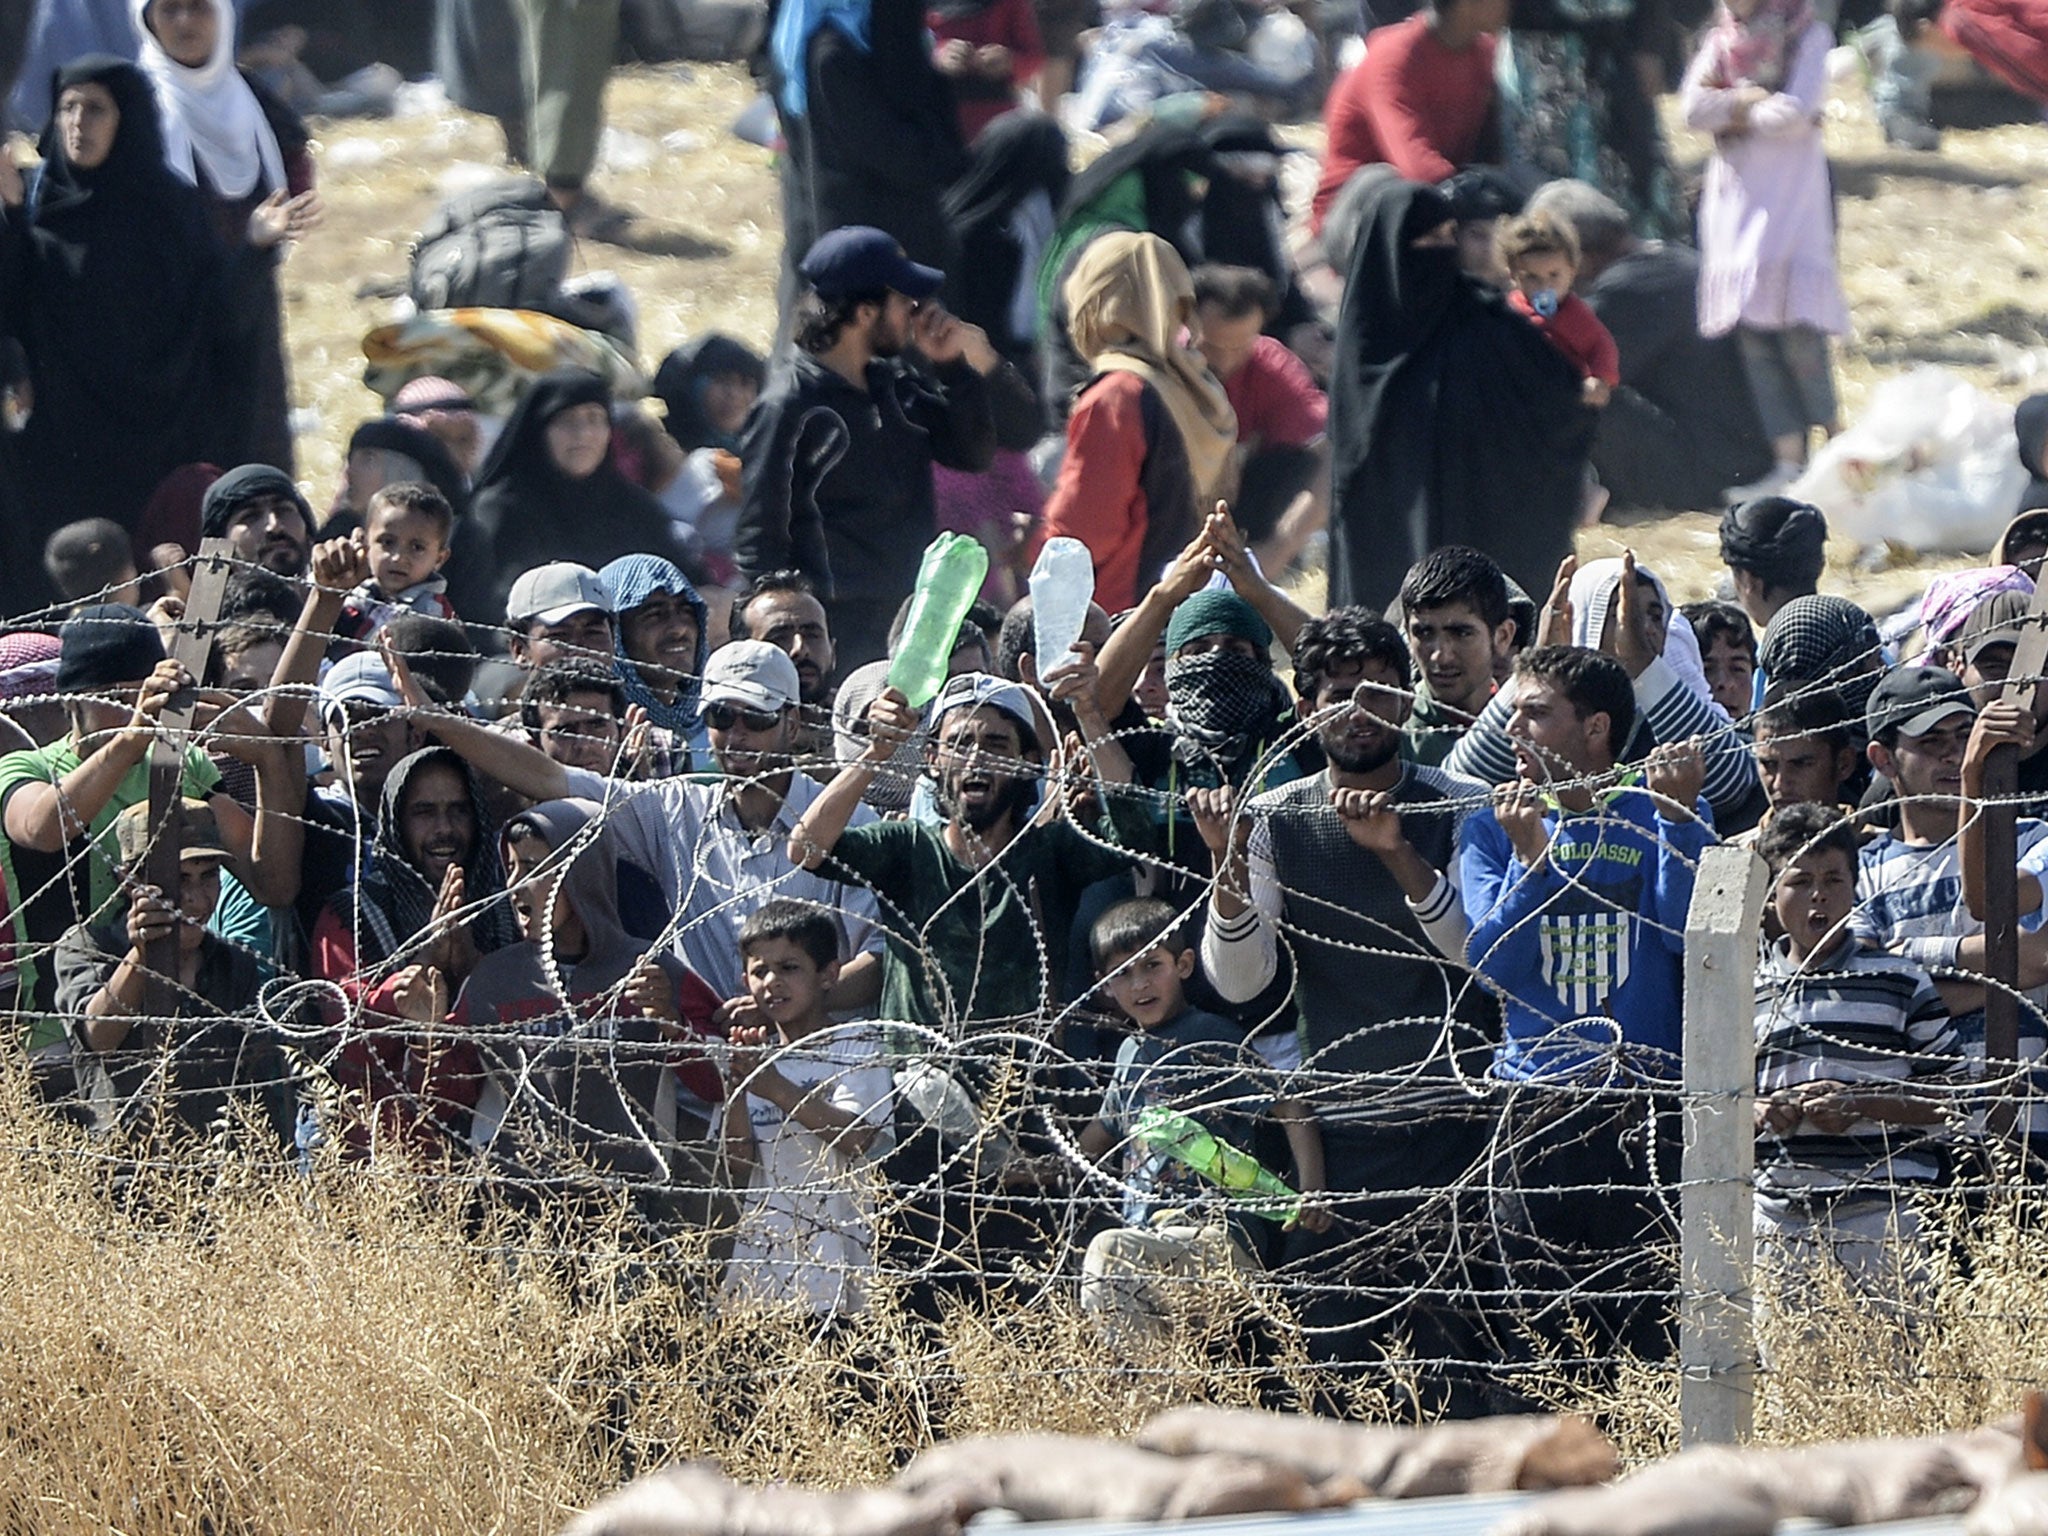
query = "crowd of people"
{"x": 557, "y": 808}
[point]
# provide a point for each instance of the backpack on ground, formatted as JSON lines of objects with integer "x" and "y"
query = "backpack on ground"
{"x": 503, "y": 245}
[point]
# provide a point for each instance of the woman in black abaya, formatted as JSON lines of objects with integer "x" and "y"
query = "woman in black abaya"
{"x": 130, "y": 312}
{"x": 1452, "y": 421}
{"x": 550, "y": 491}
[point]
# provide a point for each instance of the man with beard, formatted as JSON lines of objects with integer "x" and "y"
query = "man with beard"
{"x": 714, "y": 847}
{"x": 977, "y": 907}
{"x": 837, "y": 456}
{"x": 1357, "y": 865}
{"x": 260, "y": 511}
{"x": 1577, "y": 882}
{"x": 782, "y": 608}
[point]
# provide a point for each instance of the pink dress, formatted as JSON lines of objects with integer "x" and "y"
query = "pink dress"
{"x": 1767, "y": 222}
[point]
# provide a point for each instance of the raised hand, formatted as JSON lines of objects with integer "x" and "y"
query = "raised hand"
{"x": 1519, "y": 808}
{"x": 151, "y": 918}
{"x": 653, "y": 991}
{"x": 341, "y": 565}
{"x": 891, "y": 722}
{"x": 281, "y": 217}
{"x": 1624, "y": 639}
{"x": 1554, "y": 625}
{"x": 420, "y": 993}
{"x": 1215, "y": 816}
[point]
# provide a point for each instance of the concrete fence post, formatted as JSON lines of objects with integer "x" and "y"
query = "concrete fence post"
{"x": 1716, "y": 1330}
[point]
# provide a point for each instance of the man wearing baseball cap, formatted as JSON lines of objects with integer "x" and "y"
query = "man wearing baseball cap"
{"x": 974, "y": 899}
{"x": 716, "y": 848}
{"x": 58, "y": 802}
{"x": 837, "y": 456}
{"x": 1910, "y": 885}
{"x": 557, "y": 611}
{"x": 103, "y": 985}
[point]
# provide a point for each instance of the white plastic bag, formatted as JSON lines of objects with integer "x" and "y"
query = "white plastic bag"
{"x": 1932, "y": 463}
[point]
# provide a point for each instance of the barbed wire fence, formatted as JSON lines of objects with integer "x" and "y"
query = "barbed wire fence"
{"x": 579, "y": 1135}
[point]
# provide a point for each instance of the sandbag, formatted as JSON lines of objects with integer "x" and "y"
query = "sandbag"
{"x": 1723, "y": 1491}
{"x": 1065, "y": 1477}
{"x": 694, "y": 1498}
{"x": 1482, "y": 1456}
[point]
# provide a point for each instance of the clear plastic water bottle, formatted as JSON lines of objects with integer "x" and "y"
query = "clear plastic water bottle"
{"x": 947, "y": 583}
{"x": 1062, "y": 587}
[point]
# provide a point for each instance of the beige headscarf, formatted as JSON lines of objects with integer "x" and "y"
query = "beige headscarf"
{"x": 1128, "y": 299}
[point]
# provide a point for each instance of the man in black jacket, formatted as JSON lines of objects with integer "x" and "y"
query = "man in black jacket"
{"x": 838, "y": 453}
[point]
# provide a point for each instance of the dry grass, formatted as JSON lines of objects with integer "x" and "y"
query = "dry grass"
{"x": 220, "y": 1345}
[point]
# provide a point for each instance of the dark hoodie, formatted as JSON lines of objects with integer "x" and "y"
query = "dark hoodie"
{"x": 374, "y": 928}
{"x": 526, "y": 512}
{"x": 680, "y": 381}
{"x": 571, "y": 1081}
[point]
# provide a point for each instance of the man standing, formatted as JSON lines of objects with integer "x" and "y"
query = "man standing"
{"x": 1358, "y": 866}
{"x": 1576, "y": 884}
{"x": 837, "y": 456}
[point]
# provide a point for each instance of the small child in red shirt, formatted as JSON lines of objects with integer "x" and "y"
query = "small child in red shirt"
{"x": 1541, "y": 255}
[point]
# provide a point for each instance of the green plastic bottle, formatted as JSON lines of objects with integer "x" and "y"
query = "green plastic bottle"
{"x": 1186, "y": 1140}
{"x": 947, "y": 583}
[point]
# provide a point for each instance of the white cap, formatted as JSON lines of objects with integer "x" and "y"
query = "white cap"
{"x": 548, "y": 594}
{"x": 752, "y": 674}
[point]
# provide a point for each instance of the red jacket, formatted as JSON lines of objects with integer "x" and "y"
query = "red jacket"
{"x": 1576, "y": 332}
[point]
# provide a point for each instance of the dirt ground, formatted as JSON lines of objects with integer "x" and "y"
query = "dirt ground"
{"x": 1943, "y": 259}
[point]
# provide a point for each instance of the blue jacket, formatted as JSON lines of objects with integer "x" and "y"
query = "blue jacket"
{"x": 1586, "y": 952}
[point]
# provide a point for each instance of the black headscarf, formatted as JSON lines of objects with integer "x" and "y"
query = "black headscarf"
{"x": 1244, "y": 223}
{"x": 1782, "y": 541}
{"x": 395, "y": 435}
{"x": 1017, "y": 155}
{"x": 2030, "y": 421}
{"x": 526, "y": 512}
{"x": 243, "y": 484}
{"x": 116, "y": 289}
{"x": 1452, "y": 421}
{"x": 680, "y": 381}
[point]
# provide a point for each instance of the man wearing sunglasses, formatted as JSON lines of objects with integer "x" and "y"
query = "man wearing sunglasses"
{"x": 715, "y": 847}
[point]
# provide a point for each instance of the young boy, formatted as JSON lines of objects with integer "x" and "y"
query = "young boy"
{"x": 1852, "y": 1046}
{"x": 1727, "y": 654}
{"x": 1455, "y": 608}
{"x": 808, "y": 1102}
{"x": 1178, "y": 1223}
{"x": 406, "y": 532}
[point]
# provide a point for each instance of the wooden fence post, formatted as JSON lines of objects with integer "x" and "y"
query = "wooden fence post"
{"x": 215, "y": 563}
{"x": 1717, "y": 1248}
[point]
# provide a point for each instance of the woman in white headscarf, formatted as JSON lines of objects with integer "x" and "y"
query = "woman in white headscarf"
{"x": 243, "y": 149}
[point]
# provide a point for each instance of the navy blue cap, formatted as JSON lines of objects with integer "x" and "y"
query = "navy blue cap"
{"x": 858, "y": 259}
